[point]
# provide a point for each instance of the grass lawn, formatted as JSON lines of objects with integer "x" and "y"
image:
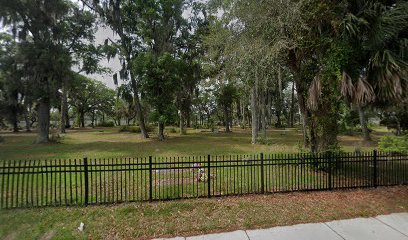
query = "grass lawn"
{"x": 184, "y": 217}
{"x": 199, "y": 216}
{"x": 109, "y": 142}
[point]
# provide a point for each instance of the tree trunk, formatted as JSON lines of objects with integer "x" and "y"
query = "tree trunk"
{"x": 264, "y": 117}
{"x": 313, "y": 137}
{"x": 67, "y": 123}
{"x": 15, "y": 119}
{"x": 268, "y": 109}
{"x": 238, "y": 107}
{"x": 226, "y": 120}
{"x": 243, "y": 115}
{"x": 279, "y": 105}
{"x": 363, "y": 123}
{"x": 292, "y": 107}
{"x": 295, "y": 62}
{"x": 138, "y": 109}
{"x": 303, "y": 109}
{"x": 93, "y": 119}
{"x": 161, "y": 131}
{"x": 64, "y": 106}
{"x": 399, "y": 131}
{"x": 254, "y": 111}
{"x": 82, "y": 119}
{"x": 188, "y": 117}
{"x": 182, "y": 130}
{"x": 43, "y": 112}
{"x": 27, "y": 120}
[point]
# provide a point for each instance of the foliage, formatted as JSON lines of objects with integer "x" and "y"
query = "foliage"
{"x": 397, "y": 144}
{"x": 106, "y": 124}
{"x": 135, "y": 129}
{"x": 172, "y": 130}
{"x": 159, "y": 79}
{"x": 396, "y": 117}
{"x": 53, "y": 36}
{"x": 88, "y": 96}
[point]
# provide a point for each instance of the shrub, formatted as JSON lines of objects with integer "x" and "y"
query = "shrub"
{"x": 397, "y": 144}
{"x": 172, "y": 130}
{"x": 149, "y": 128}
{"x": 106, "y": 124}
{"x": 133, "y": 129}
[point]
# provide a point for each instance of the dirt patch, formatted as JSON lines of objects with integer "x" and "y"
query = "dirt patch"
{"x": 48, "y": 235}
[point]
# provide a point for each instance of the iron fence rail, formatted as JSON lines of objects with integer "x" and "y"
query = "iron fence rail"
{"x": 39, "y": 183}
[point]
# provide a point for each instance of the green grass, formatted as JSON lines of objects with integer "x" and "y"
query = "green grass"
{"x": 198, "y": 216}
{"x": 185, "y": 217}
{"x": 109, "y": 142}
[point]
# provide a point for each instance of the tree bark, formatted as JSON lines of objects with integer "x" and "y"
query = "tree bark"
{"x": 67, "y": 123}
{"x": 93, "y": 119}
{"x": 188, "y": 117}
{"x": 27, "y": 120}
{"x": 264, "y": 117}
{"x": 294, "y": 63}
{"x": 313, "y": 137}
{"x": 14, "y": 119}
{"x": 226, "y": 120}
{"x": 82, "y": 119}
{"x": 292, "y": 107}
{"x": 254, "y": 111}
{"x": 238, "y": 107}
{"x": 363, "y": 123}
{"x": 138, "y": 108}
{"x": 64, "y": 106}
{"x": 43, "y": 121}
{"x": 280, "y": 101}
{"x": 161, "y": 131}
{"x": 303, "y": 109}
{"x": 182, "y": 130}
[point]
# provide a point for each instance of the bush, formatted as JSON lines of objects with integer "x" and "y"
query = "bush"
{"x": 1, "y": 139}
{"x": 133, "y": 129}
{"x": 172, "y": 130}
{"x": 398, "y": 144}
{"x": 106, "y": 124}
{"x": 149, "y": 128}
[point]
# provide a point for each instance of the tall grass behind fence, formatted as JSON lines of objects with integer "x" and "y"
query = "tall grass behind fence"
{"x": 37, "y": 183}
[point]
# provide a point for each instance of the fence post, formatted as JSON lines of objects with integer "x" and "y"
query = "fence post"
{"x": 262, "y": 174}
{"x": 86, "y": 181}
{"x": 209, "y": 176}
{"x": 375, "y": 183}
{"x": 330, "y": 159}
{"x": 150, "y": 179}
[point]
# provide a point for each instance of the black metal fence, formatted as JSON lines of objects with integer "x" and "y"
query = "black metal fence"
{"x": 33, "y": 183}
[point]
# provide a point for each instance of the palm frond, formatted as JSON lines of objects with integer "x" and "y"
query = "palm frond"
{"x": 389, "y": 73}
{"x": 364, "y": 93}
{"x": 347, "y": 88}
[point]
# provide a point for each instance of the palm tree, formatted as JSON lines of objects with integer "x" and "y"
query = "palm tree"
{"x": 378, "y": 32}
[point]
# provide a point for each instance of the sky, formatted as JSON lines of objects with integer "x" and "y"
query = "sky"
{"x": 103, "y": 33}
{"x": 114, "y": 64}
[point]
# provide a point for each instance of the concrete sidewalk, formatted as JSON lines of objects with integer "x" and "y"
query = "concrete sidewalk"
{"x": 384, "y": 227}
